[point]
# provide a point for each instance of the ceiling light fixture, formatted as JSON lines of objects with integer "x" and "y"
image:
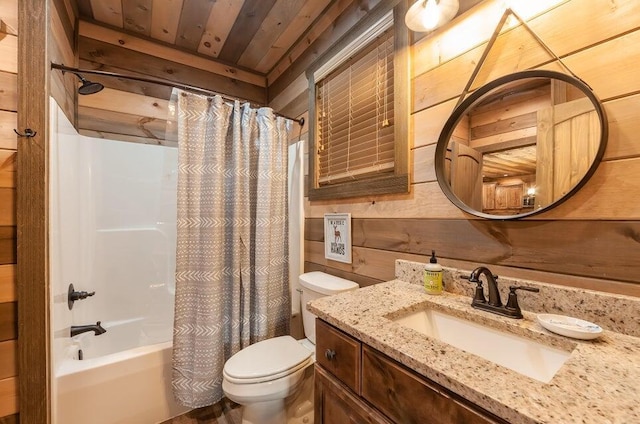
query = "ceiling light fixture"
{"x": 427, "y": 15}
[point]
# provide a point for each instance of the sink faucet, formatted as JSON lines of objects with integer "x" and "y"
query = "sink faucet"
{"x": 494, "y": 294}
{"x": 511, "y": 309}
{"x": 79, "y": 329}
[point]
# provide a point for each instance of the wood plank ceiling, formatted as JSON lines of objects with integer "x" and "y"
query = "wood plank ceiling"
{"x": 249, "y": 34}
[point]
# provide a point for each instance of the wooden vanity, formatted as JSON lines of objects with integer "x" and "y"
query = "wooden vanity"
{"x": 355, "y": 383}
{"x": 371, "y": 369}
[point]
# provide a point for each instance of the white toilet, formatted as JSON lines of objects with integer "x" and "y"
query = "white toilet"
{"x": 272, "y": 379}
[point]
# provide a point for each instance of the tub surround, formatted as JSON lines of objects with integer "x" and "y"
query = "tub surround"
{"x": 597, "y": 384}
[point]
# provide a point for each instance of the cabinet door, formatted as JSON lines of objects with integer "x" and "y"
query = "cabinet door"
{"x": 408, "y": 398}
{"x": 338, "y": 353}
{"x": 336, "y": 404}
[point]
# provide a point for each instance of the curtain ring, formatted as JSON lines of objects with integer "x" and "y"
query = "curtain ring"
{"x": 28, "y": 133}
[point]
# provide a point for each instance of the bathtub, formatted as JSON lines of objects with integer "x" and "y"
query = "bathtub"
{"x": 127, "y": 387}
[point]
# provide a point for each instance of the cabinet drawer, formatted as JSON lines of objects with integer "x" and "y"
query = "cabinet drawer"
{"x": 339, "y": 354}
{"x": 407, "y": 398}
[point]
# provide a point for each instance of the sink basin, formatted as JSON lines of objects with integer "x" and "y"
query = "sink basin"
{"x": 519, "y": 354}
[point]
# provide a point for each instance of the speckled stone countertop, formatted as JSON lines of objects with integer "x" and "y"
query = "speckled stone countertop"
{"x": 599, "y": 383}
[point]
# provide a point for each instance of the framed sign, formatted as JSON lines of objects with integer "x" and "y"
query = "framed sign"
{"x": 337, "y": 237}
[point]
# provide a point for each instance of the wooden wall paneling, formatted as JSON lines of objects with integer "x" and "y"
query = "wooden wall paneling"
{"x": 160, "y": 51}
{"x": 296, "y": 89}
{"x": 609, "y": 194}
{"x": 7, "y": 245}
{"x": 137, "y": 16}
{"x": 32, "y": 213}
{"x": 7, "y": 206}
{"x": 423, "y": 164}
{"x": 9, "y": 53}
{"x": 428, "y": 123}
{"x": 63, "y": 35}
{"x": 10, "y": 419}
{"x": 7, "y": 169}
{"x": 9, "y": 91}
{"x": 477, "y": 25}
{"x": 66, "y": 18}
{"x": 8, "y": 350}
{"x": 9, "y": 397}
{"x": 158, "y": 67}
{"x": 8, "y": 121}
{"x": 122, "y": 123}
{"x": 85, "y": 8}
{"x": 425, "y": 200}
{"x": 362, "y": 280}
{"x": 121, "y": 84}
{"x": 624, "y": 128}
{"x": 122, "y": 101}
{"x": 63, "y": 90}
{"x": 165, "y": 20}
{"x": 128, "y": 138}
{"x": 445, "y": 82}
{"x": 9, "y": 14}
{"x": 565, "y": 247}
{"x": 8, "y": 321}
{"x": 7, "y": 283}
{"x": 597, "y": 64}
{"x": 62, "y": 50}
{"x": 297, "y": 132}
{"x": 339, "y": 18}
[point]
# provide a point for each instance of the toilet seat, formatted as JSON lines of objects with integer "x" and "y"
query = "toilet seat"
{"x": 267, "y": 360}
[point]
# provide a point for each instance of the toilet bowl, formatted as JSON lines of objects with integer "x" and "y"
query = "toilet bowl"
{"x": 273, "y": 379}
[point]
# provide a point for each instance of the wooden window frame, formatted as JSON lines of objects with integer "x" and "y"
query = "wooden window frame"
{"x": 399, "y": 180}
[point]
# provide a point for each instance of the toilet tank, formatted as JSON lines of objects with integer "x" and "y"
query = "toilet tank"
{"x": 318, "y": 284}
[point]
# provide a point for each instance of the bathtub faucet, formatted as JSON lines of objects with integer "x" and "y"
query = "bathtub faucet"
{"x": 79, "y": 329}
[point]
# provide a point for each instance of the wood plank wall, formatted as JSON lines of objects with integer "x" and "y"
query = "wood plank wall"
{"x": 589, "y": 241}
{"x": 144, "y": 119}
{"x": 8, "y": 120}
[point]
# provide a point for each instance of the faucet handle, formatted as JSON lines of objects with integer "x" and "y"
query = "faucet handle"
{"x": 512, "y": 302}
{"x": 478, "y": 295}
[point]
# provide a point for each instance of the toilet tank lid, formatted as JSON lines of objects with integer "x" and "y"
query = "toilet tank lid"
{"x": 324, "y": 283}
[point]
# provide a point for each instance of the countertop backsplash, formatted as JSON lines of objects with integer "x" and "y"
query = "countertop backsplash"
{"x": 613, "y": 312}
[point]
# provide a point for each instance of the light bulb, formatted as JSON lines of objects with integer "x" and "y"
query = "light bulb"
{"x": 431, "y": 14}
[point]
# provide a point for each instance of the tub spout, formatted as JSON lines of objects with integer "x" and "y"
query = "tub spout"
{"x": 79, "y": 329}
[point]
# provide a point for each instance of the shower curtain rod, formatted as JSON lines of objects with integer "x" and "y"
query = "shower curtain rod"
{"x": 197, "y": 90}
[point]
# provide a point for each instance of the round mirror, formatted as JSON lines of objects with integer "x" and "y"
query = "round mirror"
{"x": 521, "y": 144}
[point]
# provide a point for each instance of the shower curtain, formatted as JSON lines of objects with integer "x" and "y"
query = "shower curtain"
{"x": 232, "y": 283}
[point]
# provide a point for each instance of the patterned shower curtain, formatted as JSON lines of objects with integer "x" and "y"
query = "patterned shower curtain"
{"x": 232, "y": 284}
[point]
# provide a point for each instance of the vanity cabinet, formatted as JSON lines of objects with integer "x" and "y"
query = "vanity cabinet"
{"x": 375, "y": 388}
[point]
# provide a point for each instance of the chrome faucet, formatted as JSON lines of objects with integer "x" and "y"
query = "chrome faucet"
{"x": 79, "y": 329}
{"x": 511, "y": 309}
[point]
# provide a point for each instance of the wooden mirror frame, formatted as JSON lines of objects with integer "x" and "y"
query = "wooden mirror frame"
{"x": 463, "y": 107}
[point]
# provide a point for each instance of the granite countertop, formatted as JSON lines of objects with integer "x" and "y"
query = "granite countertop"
{"x": 599, "y": 383}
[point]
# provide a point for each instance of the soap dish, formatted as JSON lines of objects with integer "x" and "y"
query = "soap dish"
{"x": 570, "y": 327}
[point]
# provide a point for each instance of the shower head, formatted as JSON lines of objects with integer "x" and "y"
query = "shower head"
{"x": 87, "y": 86}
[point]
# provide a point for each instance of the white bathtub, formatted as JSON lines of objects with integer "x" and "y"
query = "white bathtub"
{"x": 112, "y": 226}
{"x": 127, "y": 387}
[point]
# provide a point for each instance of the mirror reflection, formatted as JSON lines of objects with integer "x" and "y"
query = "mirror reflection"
{"x": 521, "y": 144}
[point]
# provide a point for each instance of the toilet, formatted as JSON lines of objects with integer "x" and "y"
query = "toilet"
{"x": 273, "y": 379}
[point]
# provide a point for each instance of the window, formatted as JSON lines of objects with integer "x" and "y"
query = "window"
{"x": 359, "y": 92}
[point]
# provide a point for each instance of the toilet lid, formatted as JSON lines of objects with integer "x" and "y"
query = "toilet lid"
{"x": 267, "y": 360}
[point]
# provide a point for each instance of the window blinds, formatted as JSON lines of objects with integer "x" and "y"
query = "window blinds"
{"x": 354, "y": 103}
